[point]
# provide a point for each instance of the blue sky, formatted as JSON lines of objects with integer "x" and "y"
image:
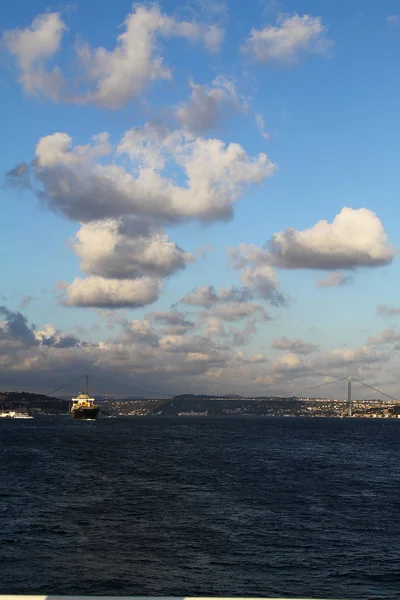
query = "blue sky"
{"x": 331, "y": 118}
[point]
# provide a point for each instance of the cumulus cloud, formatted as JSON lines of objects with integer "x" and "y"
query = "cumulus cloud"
{"x": 192, "y": 344}
{"x": 288, "y": 362}
{"x": 122, "y": 210}
{"x": 210, "y": 105}
{"x": 123, "y": 73}
{"x": 355, "y": 238}
{"x": 197, "y": 357}
{"x": 19, "y": 177}
{"x": 235, "y": 311}
{"x": 32, "y": 47}
{"x": 82, "y": 184}
{"x": 108, "y": 249}
{"x": 223, "y": 307}
{"x": 243, "y": 336}
{"x": 173, "y": 322}
{"x": 123, "y": 197}
{"x": 201, "y": 296}
{"x": 50, "y": 336}
{"x": 172, "y": 317}
{"x": 387, "y": 336}
{"x": 297, "y": 345}
{"x": 141, "y": 354}
{"x": 15, "y": 327}
{"x": 387, "y": 311}
{"x": 292, "y": 37}
{"x": 214, "y": 327}
{"x": 140, "y": 332}
{"x": 111, "y": 293}
{"x": 207, "y": 295}
{"x": 110, "y": 77}
{"x": 263, "y": 281}
{"x": 334, "y": 279}
{"x": 343, "y": 358}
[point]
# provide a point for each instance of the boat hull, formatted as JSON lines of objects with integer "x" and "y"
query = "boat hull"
{"x": 85, "y": 413}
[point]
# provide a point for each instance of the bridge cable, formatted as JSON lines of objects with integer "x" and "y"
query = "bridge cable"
{"x": 375, "y": 390}
{"x": 130, "y": 388}
{"x": 64, "y": 386}
{"x": 313, "y": 386}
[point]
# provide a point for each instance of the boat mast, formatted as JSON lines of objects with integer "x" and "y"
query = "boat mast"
{"x": 87, "y": 385}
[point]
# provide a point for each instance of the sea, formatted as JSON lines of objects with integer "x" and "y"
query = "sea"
{"x": 192, "y": 506}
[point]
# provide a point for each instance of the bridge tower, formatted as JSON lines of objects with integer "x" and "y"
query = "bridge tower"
{"x": 349, "y": 402}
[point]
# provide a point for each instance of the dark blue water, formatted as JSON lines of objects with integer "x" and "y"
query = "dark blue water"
{"x": 290, "y": 507}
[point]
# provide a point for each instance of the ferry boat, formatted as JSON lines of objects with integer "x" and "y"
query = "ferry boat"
{"x": 83, "y": 407}
{"x": 12, "y": 414}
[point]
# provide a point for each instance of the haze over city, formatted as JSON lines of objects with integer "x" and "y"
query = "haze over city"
{"x": 200, "y": 196}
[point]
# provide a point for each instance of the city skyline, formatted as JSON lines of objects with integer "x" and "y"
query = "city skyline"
{"x": 200, "y": 196}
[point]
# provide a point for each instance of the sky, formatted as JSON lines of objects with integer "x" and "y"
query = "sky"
{"x": 200, "y": 196}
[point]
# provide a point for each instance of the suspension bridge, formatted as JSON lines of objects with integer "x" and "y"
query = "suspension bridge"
{"x": 349, "y": 380}
{"x": 285, "y": 395}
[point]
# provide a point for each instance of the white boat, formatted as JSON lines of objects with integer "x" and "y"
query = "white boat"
{"x": 12, "y": 414}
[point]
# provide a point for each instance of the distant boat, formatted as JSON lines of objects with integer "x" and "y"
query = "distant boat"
{"x": 83, "y": 407}
{"x": 193, "y": 414}
{"x": 12, "y": 414}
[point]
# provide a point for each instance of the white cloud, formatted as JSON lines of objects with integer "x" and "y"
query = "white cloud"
{"x": 387, "y": 311}
{"x": 235, "y": 311}
{"x": 214, "y": 327}
{"x": 356, "y": 238}
{"x": 201, "y": 296}
{"x": 243, "y": 336}
{"x": 141, "y": 355}
{"x": 50, "y": 336}
{"x": 297, "y": 345}
{"x": 234, "y": 294}
{"x": 292, "y": 37}
{"x": 106, "y": 249}
{"x": 259, "y": 119}
{"x": 180, "y": 343}
{"x": 140, "y": 332}
{"x": 56, "y": 150}
{"x": 111, "y": 77}
{"x": 393, "y": 20}
{"x": 334, "y": 279}
{"x": 213, "y": 37}
{"x": 387, "y": 336}
{"x": 173, "y": 322}
{"x": 123, "y": 73}
{"x": 210, "y": 105}
{"x": 263, "y": 281}
{"x": 207, "y": 295}
{"x": 89, "y": 183}
{"x": 342, "y": 358}
{"x": 39, "y": 41}
{"x": 223, "y": 306}
{"x": 197, "y": 357}
{"x": 287, "y": 362}
{"x": 111, "y": 293}
{"x": 15, "y": 329}
{"x": 257, "y": 358}
{"x": 32, "y": 47}
{"x": 172, "y": 317}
